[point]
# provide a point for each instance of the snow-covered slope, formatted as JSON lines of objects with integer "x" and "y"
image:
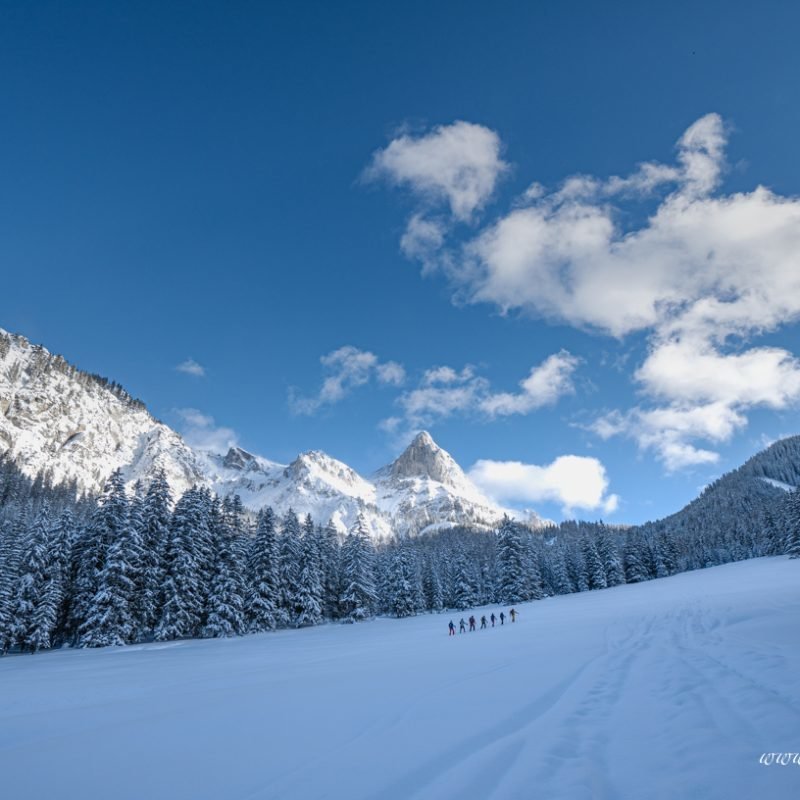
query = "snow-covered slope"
{"x": 663, "y": 690}
{"x": 78, "y": 427}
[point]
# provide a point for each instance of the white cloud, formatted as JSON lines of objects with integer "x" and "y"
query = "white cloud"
{"x": 348, "y": 368}
{"x": 544, "y": 386}
{"x": 459, "y": 164}
{"x": 575, "y": 482}
{"x": 692, "y": 370}
{"x": 444, "y": 391}
{"x": 702, "y": 270}
{"x": 200, "y": 431}
{"x": 668, "y": 431}
{"x": 191, "y": 367}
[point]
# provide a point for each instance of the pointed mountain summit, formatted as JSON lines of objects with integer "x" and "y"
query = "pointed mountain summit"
{"x": 424, "y": 458}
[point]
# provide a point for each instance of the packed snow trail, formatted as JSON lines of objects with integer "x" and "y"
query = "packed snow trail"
{"x": 668, "y": 689}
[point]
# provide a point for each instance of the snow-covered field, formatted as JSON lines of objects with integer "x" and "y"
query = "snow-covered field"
{"x": 670, "y": 689}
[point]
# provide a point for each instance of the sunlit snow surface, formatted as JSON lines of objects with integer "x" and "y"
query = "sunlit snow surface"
{"x": 669, "y": 689}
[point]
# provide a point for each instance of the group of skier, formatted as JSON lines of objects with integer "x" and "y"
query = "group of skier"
{"x": 462, "y": 625}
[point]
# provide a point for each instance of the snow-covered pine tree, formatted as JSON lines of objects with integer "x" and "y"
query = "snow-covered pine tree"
{"x": 463, "y": 593}
{"x": 595, "y": 573}
{"x": 562, "y": 583}
{"x": 308, "y": 609}
{"x": 225, "y": 604}
{"x": 329, "y": 548}
{"x": 289, "y": 569}
{"x": 30, "y": 584}
{"x": 111, "y": 619}
{"x": 401, "y": 585}
{"x": 10, "y": 558}
{"x": 534, "y": 589}
{"x": 262, "y": 575}
{"x": 609, "y": 555}
{"x": 792, "y": 516}
{"x": 156, "y": 513}
{"x": 92, "y": 545}
{"x": 433, "y": 594}
{"x": 181, "y": 613}
{"x": 359, "y": 595}
{"x": 635, "y": 569}
{"x": 511, "y": 566}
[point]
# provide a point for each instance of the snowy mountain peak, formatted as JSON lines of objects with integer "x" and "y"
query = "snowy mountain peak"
{"x": 236, "y": 458}
{"x": 423, "y": 458}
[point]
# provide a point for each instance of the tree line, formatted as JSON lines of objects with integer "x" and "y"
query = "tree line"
{"x": 135, "y": 566}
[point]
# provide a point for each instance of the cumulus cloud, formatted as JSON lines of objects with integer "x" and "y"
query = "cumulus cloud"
{"x": 457, "y": 164}
{"x": 191, "y": 367}
{"x": 347, "y": 368}
{"x": 701, "y": 274}
{"x": 575, "y": 482}
{"x": 201, "y": 432}
{"x": 444, "y": 391}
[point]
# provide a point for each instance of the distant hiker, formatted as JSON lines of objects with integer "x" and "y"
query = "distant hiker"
{"x": 493, "y": 618}
{"x": 502, "y": 618}
{"x": 513, "y": 613}
{"x": 483, "y": 622}
{"x": 472, "y": 623}
{"x": 452, "y": 629}
{"x": 462, "y": 626}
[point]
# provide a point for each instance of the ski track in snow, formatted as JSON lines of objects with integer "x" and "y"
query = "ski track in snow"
{"x": 668, "y": 689}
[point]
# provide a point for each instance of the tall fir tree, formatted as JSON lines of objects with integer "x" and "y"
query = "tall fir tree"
{"x": 262, "y": 575}
{"x": 308, "y": 601}
{"x": 513, "y": 581}
{"x": 156, "y": 512}
{"x": 359, "y": 595}
{"x": 111, "y": 619}
{"x": 792, "y": 516}
{"x": 595, "y": 573}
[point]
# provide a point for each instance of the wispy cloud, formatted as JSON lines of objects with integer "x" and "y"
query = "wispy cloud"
{"x": 201, "y": 431}
{"x": 191, "y": 367}
{"x": 444, "y": 391}
{"x": 347, "y": 369}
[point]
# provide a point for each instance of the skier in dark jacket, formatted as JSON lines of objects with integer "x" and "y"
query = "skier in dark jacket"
{"x": 472, "y": 623}
{"x": 513, "y": 613}
{"x": 502, "y": 618}
{"x": 462, "y": 626}
{"x": 483, "y": 622}
{"x": 452, "y": 629}
{"x": 493, "y": 618}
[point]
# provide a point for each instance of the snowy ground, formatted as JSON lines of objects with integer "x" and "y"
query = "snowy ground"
{"x": 670, "y": 689}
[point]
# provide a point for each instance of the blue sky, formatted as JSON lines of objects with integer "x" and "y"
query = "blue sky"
{"x": 321, "y": 205}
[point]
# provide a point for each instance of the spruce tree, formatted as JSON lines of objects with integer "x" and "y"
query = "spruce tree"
{"x": 329, "y": 555}
{"x": 513, "y": 583}
{"x": 156, "y": 513}
{"x": 262, "y": 575}
{"x": 225, "y": 604}
{"x": 289, "y": 569}
{"x": 111, "y": 619}
{"x": 181, "y": 613}
{"x": 609, "y": 555}
{"x": 595, "y": 573}
{"x": 359, "y": 595}
{"x": 308, "y": 608}
{"x": 792, "y": 516}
